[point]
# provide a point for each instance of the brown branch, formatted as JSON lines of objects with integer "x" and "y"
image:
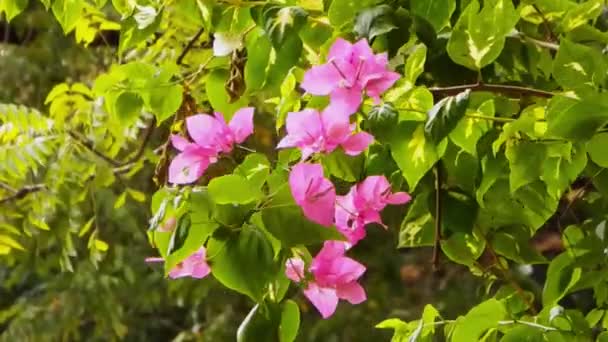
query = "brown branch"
{"x": 21, "y": 193}
{"x": 140, "y": 151}
{"x": 495, "y": 88}
{"x": 89, "y": 146}
{"x": 506, "y": 274}
{"x": 548, "y": 31}
{"x": 438, "y": 209}
{"x": 189, "y": 46}
{"x": 117, "y": 164}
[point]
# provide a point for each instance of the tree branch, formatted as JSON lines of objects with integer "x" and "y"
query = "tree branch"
{"x": 21, "y": 193}
{"x": 548, "y": 30}
{"x": 89, "y": 146}
{"x": 189, "y": 46}
{"x": 495, "y": 88}
{"x": 117, "y": 164}
{"x": 140, "y": 151}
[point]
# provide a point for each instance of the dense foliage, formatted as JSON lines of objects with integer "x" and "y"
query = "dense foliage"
{"x": 260, "y": 148}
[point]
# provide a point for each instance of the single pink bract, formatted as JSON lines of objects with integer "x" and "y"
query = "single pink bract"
{"x": 314, "y": 132}
{"x": 211, "y": 136}
{"x": 362, "y": 205}
{"x": 194, "y": 266}
{"x": 314, "y": 193}
{"x": 351, "y": 69}
{"x": 334, "y": 277}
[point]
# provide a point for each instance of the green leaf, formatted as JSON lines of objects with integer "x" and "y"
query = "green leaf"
{"x": 131, "y": 35}
{"x": 478, "y": 320}
{"x": 530, "y": 206}
{"x": 562, "y": 275}
{"x": 260, "y": 324}
{"x": 514, "y": 243}
{"x": 479, "y": 36}
{"x": 463, "y": 248}
{"x": 290, "y": 321}
{"x": 530, "y": 123}
{"x": 526, "y": 162}
{"x": 13, "y": 7}
{"x": 446, "y": 114}
{"x": 286, "y": 222}
{"x": 581, "y": 14}
{"x": 285, "y": 58}
{"x": 374, "y": 21}
{"x": 281, "y": 22}
{"x": 233, "y": 189}
{"x": 243, "y": 262}
{"x": 469, "y": 130}
{"x": 418, "y": 226}
{"x": 217, "y": 95}
{"x": 163, "y": 99}
{"x": 463, "y": 170}
{"x": 255, "y": 168}
{"x": 577, "y": 66}
{"x": 7, "y": 240}
{"x": 523, "y": 333}
{"x": 413, "y": 152}
{"x": 340, "y": 165}
{"x": 342, "y": 12}
{"x": 381, "y": 120}
{"x": 128, "y": 107}
{"x": 436, "y": 12}
{"x": 258, "y": 56}
{"x": 459, "y": 212}
{"x": 414, "y": 65}
{"x": 136, "y": 195}
{"x": 67, "y": 12}
{"x": 576, "y": 119}
{"x": 120, "y": 201}
{"x": 596, "y": 148}
{"x": 315, "y": 34}
{"x": 563, "y": 165}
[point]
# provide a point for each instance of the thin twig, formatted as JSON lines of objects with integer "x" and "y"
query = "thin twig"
{"x": 509, "y": 322}
{"x": 89, "y": 146}
{"x": 7, "y": 187}
{"x": 495, "y": 88}
{"x": 189, "y": 46}
{"x": 548, "y": 30}
{"x": 507, "y": 276}
{"x": 24, "y": 191}
{"x": 438, "y": 207}
{"x": 119, "y": 165}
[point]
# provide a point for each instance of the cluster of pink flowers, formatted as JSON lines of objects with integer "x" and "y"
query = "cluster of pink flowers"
{"x": 211, "y": 136}
{"x": 334, "y": 276}
{"x": 352, "y": 70}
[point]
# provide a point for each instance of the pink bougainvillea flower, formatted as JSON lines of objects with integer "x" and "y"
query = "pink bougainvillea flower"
{"x": 350, "y": 70}
{"x": 312, "y": 132}
{"x": 189, "y": 165}
{"x": 313, "y": 192}
{"x": 211, "y": 136}
{"x": 334, "y": 277}
{"x": 213, "y": 132}
{"x": 194, "y": 266}
{"x": 362, "y": 205}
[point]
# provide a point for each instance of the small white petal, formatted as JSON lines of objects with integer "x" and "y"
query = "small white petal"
{"x": 225, "y": 43}
{"x": 145, "y": 16}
